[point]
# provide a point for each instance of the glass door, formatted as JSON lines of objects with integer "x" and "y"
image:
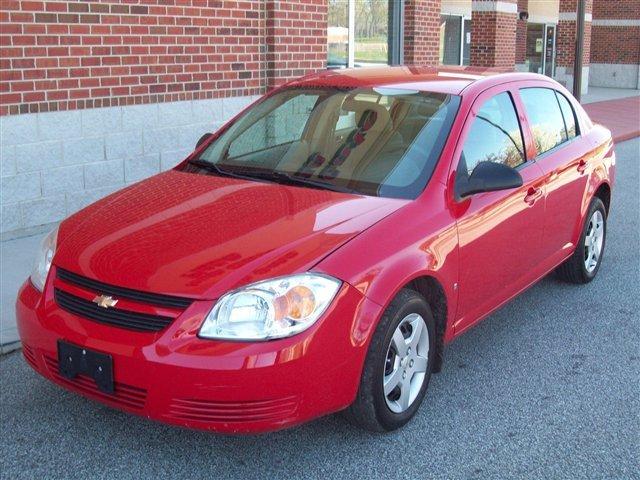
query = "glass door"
{"x": 541, "y": 48}
{"x": 364, "y": 33}
{"x": 455, "y": 39}
{"x": 338, "y": 34}
{"x": 451, "y": 37}
{"x": 371, "y": 33}
{"x": 535, "y": 47}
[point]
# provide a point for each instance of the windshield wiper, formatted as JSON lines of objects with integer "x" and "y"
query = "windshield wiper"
{"x": 212, "y": 167}
{"x": 274, "y": 176}
{"x": 284, "y": 177}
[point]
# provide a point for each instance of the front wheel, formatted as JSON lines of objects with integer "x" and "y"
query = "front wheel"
{"x": 398, "y": 365}
{"x": 584, "y": 264}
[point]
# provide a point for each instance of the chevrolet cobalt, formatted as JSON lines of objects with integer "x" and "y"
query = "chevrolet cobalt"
{"x": 318, "y": 252}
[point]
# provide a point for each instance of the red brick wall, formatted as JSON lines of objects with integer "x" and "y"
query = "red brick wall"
{"x": 521, "y": 33}
{"x": 70, "y": 54}
{"x": 622, "y": 9}
{"x": 493, "y": 39}
{"x": 615, "y": 44}
{"x": 296, "y": 38}
{"x": 566, "y": 35}
{"x": 421, "y": 32}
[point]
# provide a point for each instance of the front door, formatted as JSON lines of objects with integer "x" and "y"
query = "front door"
{"x": 499, "y": 233}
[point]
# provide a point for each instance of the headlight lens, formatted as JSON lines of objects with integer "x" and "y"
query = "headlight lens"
{"x": 271, "y": 309}
{"x": 43, "y": 259}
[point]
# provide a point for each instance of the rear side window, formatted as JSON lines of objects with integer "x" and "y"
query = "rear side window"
{"x": 495, "y": 135}
{"x": 546, "y": 119}
{"x": 569, "y": 116}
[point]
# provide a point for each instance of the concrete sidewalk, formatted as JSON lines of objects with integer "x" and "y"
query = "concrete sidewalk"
{"x": 617, "y": 109}
{"x": 16, "y": 260}
{"x": 601, "y": 94}
{"x": 621, "y": 116}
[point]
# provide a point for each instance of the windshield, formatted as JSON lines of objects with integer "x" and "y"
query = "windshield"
{"x": 379, "y": 141}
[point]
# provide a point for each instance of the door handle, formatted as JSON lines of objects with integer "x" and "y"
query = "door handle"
{"x": 582, "y": 165}
{"x": 533, "y": 194}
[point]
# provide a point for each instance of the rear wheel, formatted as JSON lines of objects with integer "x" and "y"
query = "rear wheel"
{"x": 398, "y": 365}
{"x": 584, "y": 264}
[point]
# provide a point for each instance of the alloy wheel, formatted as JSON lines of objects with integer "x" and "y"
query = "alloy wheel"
{"x": 593, "y": 241}
{"x": 406, "y": 363}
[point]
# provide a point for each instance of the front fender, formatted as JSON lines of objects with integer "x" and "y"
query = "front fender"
{"x": 407, "y": 245}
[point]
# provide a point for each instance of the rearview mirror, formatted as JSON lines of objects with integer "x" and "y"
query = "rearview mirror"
{"x": 488, "y": 177}
{"x": 203, "y": 139}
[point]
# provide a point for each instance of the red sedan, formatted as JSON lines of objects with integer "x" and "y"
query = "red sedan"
{"x": 319, "y": 251}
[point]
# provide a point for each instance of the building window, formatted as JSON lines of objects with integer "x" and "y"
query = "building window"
{"x": 364, "y": 33}
{"x": 455, "y": 40}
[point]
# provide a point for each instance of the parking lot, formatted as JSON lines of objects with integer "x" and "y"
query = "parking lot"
{"x": 548, "y": 387}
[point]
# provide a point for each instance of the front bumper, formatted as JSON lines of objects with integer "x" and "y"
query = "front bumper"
{"x": 234, "y": 387}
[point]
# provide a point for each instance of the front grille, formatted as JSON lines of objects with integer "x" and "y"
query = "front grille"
{"x": 238, "y": 411}
{"x": 124, "y": 395}
{"x": 141, "y": 322}
{"x": 121, "y": 292}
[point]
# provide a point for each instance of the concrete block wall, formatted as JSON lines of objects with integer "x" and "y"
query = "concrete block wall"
{"x": 55, "y": 163}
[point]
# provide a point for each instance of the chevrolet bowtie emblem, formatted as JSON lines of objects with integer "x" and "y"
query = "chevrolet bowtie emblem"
{"x": 105, "y": 301}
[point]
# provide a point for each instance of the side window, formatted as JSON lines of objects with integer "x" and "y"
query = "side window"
{"x": 495, "y": 135}
{"x": 545, "y": 118}
{"x": 569, "y": 116}
{"x": 283, "y": 124}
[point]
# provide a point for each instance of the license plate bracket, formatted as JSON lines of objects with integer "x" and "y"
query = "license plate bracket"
{"x": 74, "y": 360}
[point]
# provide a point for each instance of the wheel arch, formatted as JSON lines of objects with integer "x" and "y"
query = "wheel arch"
{"x": 433, "y": 292}
{"x": 603, "y": 192}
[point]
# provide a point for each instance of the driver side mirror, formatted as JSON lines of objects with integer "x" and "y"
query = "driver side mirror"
{"x": 203, "y": 139}
{"x": 488, "y": 177}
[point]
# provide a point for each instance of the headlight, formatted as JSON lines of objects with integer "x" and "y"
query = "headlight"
{"x": 271, "y": 309}
{"x": 43, "y": 259}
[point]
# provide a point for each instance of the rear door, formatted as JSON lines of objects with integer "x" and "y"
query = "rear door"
{"x": 563, "y": 157}
{"x": 499, "y": 233}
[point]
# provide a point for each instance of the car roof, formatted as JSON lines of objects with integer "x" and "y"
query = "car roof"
{"x": 451, "y": 80}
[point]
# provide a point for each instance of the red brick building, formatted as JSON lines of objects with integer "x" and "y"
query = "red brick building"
{"x": 96, "y": 94}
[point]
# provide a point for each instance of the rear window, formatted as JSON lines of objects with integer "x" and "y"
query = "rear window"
{"x": 545, "y": 117}
{"x": 375, "y": 141}
{"x": 569, "y": 116}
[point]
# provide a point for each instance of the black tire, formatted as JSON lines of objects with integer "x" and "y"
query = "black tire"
{"x": 573, "y": 270}
{"x": 370, "y": 410}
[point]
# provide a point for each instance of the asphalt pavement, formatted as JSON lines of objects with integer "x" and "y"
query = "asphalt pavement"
{"x": 548, "y": 387}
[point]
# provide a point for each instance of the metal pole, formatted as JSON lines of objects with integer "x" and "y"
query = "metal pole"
{"x": 577, "y": 61}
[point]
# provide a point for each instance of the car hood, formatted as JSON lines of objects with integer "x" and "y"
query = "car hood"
{"x": 199, "y": 236}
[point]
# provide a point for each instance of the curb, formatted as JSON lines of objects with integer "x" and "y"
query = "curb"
{"x": 10, "y": 347}
{"x": 626, "y": 136}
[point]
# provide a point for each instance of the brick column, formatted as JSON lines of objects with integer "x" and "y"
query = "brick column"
{"x": 493, "y": 33}
{"x": 521, "y": 36}
{"x": 566, "y": 43}
{"x": 296, "y": 39}
{"x": 421, "y": 32}
{"x": 615, "y": 44}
